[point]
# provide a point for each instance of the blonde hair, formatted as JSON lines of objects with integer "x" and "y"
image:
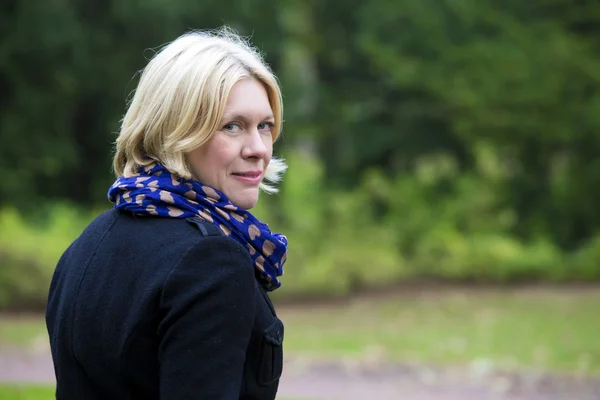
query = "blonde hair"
{"x": 181, "y": 97}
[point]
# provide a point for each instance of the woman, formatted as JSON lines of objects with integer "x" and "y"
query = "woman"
{"x": 164, "y": 296}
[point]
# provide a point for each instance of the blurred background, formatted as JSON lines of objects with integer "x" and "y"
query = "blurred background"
{"x": 442, "y": 200}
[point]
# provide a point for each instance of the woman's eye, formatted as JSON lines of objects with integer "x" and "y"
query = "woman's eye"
{"x": 232, "y": 127}
{"x": 265, "y": 126}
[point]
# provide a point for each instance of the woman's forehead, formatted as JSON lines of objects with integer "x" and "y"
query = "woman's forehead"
{"x": 247, "y": 98}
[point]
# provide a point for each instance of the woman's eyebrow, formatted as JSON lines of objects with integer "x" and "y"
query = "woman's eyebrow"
{"x": 241, "y": 117}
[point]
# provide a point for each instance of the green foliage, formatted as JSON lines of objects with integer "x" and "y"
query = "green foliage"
{"x": 65, "y": 84}
{"x": 452, "y": 76}
{"x": 367, "y": 85}
{"x": 335, "y": 245}
{"x": 455, "y": 139}
{"x": 586, "y": 261}
{"x": 29, "y": 251}
{"x": 437, "y": 224}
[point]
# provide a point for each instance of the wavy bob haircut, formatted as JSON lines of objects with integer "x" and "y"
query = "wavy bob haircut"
{"x": 180, "y": 100}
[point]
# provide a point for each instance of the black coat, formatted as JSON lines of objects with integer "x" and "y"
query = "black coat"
{"x": 161, "y": 308}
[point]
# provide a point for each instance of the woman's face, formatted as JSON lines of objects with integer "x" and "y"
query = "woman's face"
{"x": 234, "y": 160}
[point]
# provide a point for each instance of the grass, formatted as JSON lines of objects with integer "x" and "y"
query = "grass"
{"x": 26, "y": 392}
{"x": 21, "y": 330}
{"x": 34, "y": 392}
{"x": 550, "y": 329}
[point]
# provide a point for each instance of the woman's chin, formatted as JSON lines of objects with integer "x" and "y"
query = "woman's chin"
{"x": 246, "y": 199}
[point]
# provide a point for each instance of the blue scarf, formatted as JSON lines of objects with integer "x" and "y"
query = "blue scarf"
{"x": 154, "y": 191}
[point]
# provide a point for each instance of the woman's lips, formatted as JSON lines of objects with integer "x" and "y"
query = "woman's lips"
{"x": 252, "y": 177}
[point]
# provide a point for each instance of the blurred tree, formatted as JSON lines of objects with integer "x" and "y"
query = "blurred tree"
{"x": 374, "y": 84}
{"x": 430, "y": 76}
{"x": 66, "y": 71}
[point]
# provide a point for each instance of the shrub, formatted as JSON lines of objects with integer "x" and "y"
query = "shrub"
{"x": 29, "y": 251}
{"x": 436, "y": 224}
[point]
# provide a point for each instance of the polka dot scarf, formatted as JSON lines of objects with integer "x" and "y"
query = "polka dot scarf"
{"x": 154, "y": 191}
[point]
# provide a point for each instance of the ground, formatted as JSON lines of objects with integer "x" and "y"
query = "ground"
{"x": 471, "y": 345}
{"x": 336, "y": 380}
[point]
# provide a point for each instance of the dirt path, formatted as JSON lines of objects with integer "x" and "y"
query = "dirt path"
{"x": 336, "y": 380}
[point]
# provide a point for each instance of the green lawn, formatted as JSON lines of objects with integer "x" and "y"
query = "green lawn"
{"x": 26, "y": 392}
{"x": 34, "y": 392}
{"x": 552, "y": 329}
{"x": 21, "y": 331}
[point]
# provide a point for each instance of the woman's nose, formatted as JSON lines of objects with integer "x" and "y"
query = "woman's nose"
{"x": 255, "y": 145}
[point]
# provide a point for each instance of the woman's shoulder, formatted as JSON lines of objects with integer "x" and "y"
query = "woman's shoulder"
{"x": 156, "y": 243}
{"x": 175, "y": 234}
